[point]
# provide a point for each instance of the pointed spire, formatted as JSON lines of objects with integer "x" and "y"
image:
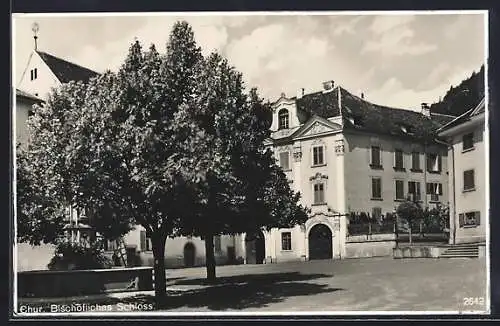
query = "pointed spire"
{"x": 35, "y": 29}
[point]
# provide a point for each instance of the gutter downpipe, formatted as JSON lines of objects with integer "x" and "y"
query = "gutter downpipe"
{"x": 450, "y": 146}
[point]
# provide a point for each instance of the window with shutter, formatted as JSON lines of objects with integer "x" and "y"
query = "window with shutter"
{"x": 375, "y": 157}
{"x": 468, "y": 141}
{"x": 217, "y": 244}
{"x": 400, "y": 191}
{"x": 461, "y": 220}
{"x": 398, "y": 159}
{"x": 469, "y": 180}
{"x": 478, "y": 218}
{"x": 376, "y": 188}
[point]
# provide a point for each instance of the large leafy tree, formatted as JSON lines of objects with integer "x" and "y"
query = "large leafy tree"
{"x": 121, "y": 146}
{"x": 244, "y": 190}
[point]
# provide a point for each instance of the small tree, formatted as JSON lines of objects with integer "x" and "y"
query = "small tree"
{"x": 411, "y": 212}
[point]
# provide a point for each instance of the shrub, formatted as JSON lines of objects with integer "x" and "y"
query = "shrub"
{"x": 70, "y": 256}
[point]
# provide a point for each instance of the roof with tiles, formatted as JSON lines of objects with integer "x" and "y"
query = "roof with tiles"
{"x": 361, "y": 115}
{"x": 479, "y": 109}
{"x": 28, "y": 96}
{"x": 66, "y": 71}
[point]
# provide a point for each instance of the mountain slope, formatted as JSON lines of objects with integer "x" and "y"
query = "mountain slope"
{"x": 463, "y": 97}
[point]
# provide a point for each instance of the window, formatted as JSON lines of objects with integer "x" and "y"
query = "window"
{"x": 286, "y": 241}
{"x": 33, "y": 74}
{"x": 469, "y": 219}
{"x": 468, "y": 141}
{"x": 145, "y": 242}
{"x": 319, "y": 193}
{"x": 415, "y": 161}
{"x": 285, "y": 160}
{"x": 398, "y": 159}
{"x": 414, "y": 190}
{"x": 433, "y": 163}
{"x": 283, "y": 118}
{"x": 376, "y": 188}
{"x": 110, "y": 245}
{"x": 375, "y": 156}
{"x": 318, "y": 155}
{"x": 469, "y": 180}
{"x": 435, "y": 190}
{"x": 217, "y": 244}
{"x": 400, "y": 190}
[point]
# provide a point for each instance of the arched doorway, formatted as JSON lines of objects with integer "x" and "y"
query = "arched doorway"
{"x": 189, "y": 254}
{"x": 255, "y": 247}
{"x": 320, "y": 242}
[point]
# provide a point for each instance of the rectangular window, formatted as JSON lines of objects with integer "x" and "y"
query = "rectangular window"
{"x": 469, "y": 219}
{"x": 110, "y": 245}
{"x": 145, "y": 242}
{"x": 217, "y": 243}
{"x": 35, "y": 73}
{"x": 414, "y": 190}
{"x": 398, "y": 159}
{"x": 468, "y": 141}
{"x": 376, "y": 188}
{"x": 400, "y": 190}
{"x": 469, "y": 180}
{"x": 31, "y": 74}
{"x": 433, "y": 163}
{"x": 285, "y": 160}
{"x": 434, "y": 190}
{"x": 415, "y": 161}
{"x": 286, "y": 241}
{"x": 375, "y": 156}
{"x": 318, "y": 155}
{"x": 319, "y": 193}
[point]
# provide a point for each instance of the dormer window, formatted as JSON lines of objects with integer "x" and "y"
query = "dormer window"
{"x": 33, "y": 73}
{"x": 283, "y": 119}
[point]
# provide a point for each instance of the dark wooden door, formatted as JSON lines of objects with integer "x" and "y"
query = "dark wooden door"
{"x": 320, "y": 242}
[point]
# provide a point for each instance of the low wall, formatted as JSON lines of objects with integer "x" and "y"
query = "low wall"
{"x": 147, "y": 259}
{"x": 418, "y": 252}
{"x": 365, "y": 246}
{"x": 83, "y": 282}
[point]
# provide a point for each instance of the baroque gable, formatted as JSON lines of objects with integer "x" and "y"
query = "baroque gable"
{"x": 316, "y": 126}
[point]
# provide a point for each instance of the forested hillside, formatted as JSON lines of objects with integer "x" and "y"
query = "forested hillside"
{"x": 463, "y": 97}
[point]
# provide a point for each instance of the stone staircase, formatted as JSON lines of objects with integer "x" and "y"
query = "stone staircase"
{"x": 461, "y": 251}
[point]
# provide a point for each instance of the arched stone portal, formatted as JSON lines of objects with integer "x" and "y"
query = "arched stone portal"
{"x": 189, "y": 254}
{"x": 255, "y": 247}
{"x": 320, "y": 242}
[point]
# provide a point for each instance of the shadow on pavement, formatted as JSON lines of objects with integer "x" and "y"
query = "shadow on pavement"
{"x": 239, "y": 292}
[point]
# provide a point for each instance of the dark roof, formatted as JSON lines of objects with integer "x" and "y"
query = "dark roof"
{"x": 322, "y": 104}
{"x": 28, "y": 96}
{"x": 466, "y": 116}
{"x": 359, "y": 114}
{"x": 66, "y": 71}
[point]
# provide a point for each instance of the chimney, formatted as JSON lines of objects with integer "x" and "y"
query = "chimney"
{"x": 300, "y": 93}
{"x": 328, "y": 86}
{"x": 426, "y": 110}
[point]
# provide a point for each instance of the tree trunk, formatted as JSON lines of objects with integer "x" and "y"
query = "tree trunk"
{"x": 210, "y": 257}
{"x": 160, "y": 279}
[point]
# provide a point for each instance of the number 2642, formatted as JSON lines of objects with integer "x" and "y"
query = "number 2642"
{"x": 474, "y": 301}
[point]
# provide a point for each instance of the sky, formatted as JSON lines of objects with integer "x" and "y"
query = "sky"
{"x": 398, "y": 60}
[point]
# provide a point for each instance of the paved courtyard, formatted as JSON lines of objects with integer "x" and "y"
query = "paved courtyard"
{"x": 376, "y": 284}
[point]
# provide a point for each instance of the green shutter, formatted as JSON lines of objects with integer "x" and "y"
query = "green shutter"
{"x": 143, "y": 241}
{"x": 440, "y": 189}
{"x": 461, "y": 218}
{"x": 439, "y": 163}
{"x": 478, "y": 218}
